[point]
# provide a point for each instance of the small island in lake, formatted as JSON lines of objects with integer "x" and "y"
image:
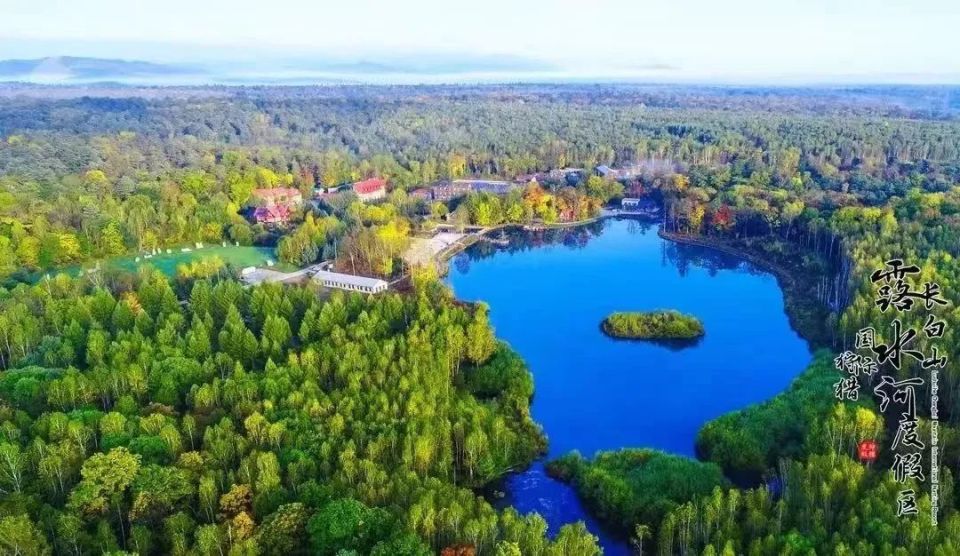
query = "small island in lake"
{"x": 654, "y": 325}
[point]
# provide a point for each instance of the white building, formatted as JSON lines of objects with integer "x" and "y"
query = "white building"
{"x": 350, "y": 282}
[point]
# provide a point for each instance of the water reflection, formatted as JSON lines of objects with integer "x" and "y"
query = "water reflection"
{"x": 681, "y": 256}
{"x": 673, "y": 344}
{"x": 684, "y": 256}
{"x": 576, "y": 237}
{"x": 548, "y": 290}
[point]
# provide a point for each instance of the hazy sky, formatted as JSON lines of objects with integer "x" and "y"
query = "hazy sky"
{"x": 700, "y": 38}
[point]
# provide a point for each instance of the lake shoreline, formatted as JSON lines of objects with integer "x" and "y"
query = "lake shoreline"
{"x": 531, "y": 488}
{"x": 796, "y": 305}
{"x": 442, "y": 257}
{"x": 720, "y": 245}
{"x": 814, "y": 333}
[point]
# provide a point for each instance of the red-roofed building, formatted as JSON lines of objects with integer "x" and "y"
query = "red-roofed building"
{"x": 370, "y": 189}
{"x": 273, "y": 205}
{"x": 275, "y": 214}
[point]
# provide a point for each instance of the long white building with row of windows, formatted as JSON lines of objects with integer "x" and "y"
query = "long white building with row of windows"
{"x": 350, "y": 282}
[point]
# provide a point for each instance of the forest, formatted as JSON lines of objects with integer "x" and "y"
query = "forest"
{"x": 246, "y": 421}
{"x": 199, "y": 417}
{"x": 89, "y": 178}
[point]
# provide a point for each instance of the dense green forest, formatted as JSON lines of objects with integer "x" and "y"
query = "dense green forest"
{"x": 92, "y": 177}
{"x": 635, "y": 486}
{"x": 260, "y": 421}
{"x": 200, "y": 417}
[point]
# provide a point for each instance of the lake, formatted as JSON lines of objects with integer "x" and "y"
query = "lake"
{"x": 548, "y": 292}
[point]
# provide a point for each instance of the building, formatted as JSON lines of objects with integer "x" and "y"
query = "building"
{"x": 627, "y": 172}
{"x": 486, "y": 186}
{"x": 287, "y": 196}
{"x": 605, "y": 171}
{"x": 273, "y": 205}
{"x": 566, "y": 176}
{"x": 422, "y": 193}
{"x": 459, "y": 188}
{"x": 253, "y": 275}
{"x": 560, "y": 173}
{"x": 450, "y": 191}
{"x": 274, "y": 214}
{"x": 349, "y": 282}
{"x": 635, "y": 205}
{"x": 321, "y": 191}
{"x": 371, "y": 189}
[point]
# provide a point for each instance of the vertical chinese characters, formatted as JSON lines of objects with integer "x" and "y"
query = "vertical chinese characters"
{"x": 901, "y": 353}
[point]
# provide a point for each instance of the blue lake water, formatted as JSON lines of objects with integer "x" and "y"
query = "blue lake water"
{"x": 548, "y": 292}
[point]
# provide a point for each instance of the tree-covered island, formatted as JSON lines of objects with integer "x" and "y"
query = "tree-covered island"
{"x": 653, "y": 325}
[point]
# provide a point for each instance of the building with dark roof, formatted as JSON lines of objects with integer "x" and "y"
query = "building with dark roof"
{"x": 496, "y": 187}
{"x": 450, "y": 191}
{"x": 605, "y": 171}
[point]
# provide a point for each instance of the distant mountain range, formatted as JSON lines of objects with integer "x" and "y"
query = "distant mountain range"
{"x": 423, "y": 64}
{"x": 266, "y": 69}
{"x": 72, "y": 69}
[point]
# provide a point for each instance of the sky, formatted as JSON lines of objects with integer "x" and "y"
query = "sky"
{"x": 911, "y": 40}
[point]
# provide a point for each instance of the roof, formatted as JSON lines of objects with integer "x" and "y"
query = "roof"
{"x": 450, "y": 190}
{"x": 458, "y": 185}
{"x": 493, "y": 186}
{"x": 349, "y": 279}
{"x": 640, "y": 202}
{"x": 369, "y": 186}
{"x": 261, "y": 275}
{"x": 603, "y": 169}
{"x": 480, "y": 182}
{"x": 276, "y": 192}
{"x": 276, "y": 211}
